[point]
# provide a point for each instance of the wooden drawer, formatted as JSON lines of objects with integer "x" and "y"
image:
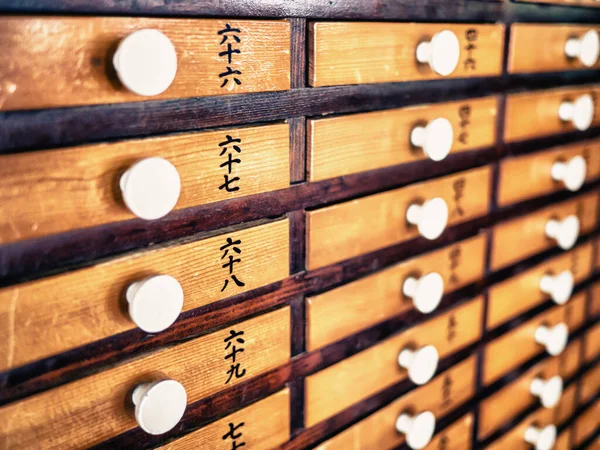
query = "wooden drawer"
{"x": 535, "y": 114}
{"x": 349, "y": 229}
{"x": 506, "y": 404}
{"x": 369, "y": 52}
{"x": 51, "y": 315}
{"x": 337, "y": 387}
{"x": 587, "y": 423}
{"x": 370, "y": 300}
{"x": 90, "y": 410}
{"x": 589, "y": 384}
{"x": 541, "y": 48}
{"x": 537, "y": 170}
{"x": 59, "y": 190}
{"x": 525, "y": 236}
{"x": 592, "y": 343}
{"x": 441, "y": 395}
{"x": 595, "y": 294}
{"x": 500, "y": 354}
{"x": 522, "y": 292}
{"x": 343, "y": 145}
{"x": 563, "y": 441}
{"x": 263, "y": 425}
{"x": 66, "y": 61}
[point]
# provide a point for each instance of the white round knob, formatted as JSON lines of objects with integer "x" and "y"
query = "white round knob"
{"x": 151, "y": 188}
{"x": 565, "y": 232}
{"x": 554, "y": 339}
{"x": 558, "y": 287}
{"x": 155, "y": 303}
{"x": 548, "y": 391}
{"x": 159, "y": 406}
{"x": 146, "y": 62}
{"x": 421, "y": 364}
{"x": 541, "y": 438}
{"x": 571, "y": 173}
{"x": 430, "y": 217}
{"x": 441, "y": 53}
{"x": 586, "y": 48}
{"x": 580, "y": 112}
{"x": 426, "y": 292}
{"x": 435, "y": 138}
{"x": 418, "y": 429}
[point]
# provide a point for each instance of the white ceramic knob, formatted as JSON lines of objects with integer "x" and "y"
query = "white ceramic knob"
{"x": 541, "y": 438}
{"x": 421, "y": 364}
{"x": 146, "y": 62}
{"x": 435, "y": 138}
{"x": 430, "y": 217}
{"x": 155, "y": 303}
{"x": 571, "y": 173}
{"x": 418, "y": 429}
{"x": 151, "y": 188}
{"x": 426, "y": 292}
{"x": 159, "y": 406}
{"x": 565, "y": 232}
{"x": 558, "y": 287}
{"x": 548, "y": 391}
{"x": 580, "y": 112}
{"x": 585, "y": 48}
{"x": 442, "y": 53}
{"x": 554, "y": 339}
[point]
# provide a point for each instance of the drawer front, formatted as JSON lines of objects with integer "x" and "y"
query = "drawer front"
{"x": 537, "y": 170}
{"x": 514, "y": 439}
{"x": 48, "y": 316}
{"x": 590, "y": 384}
{"x": 93, "y": 409}
{"x": 563, "y": 441}
{"x": 370, "y": 300}
{"x": 522, "y": 292}
{"x": 541, "y": 48}
{"x": 592, "y": 344}
{"x": 67, "y": 61}
{"x": 343, "y": 145}
{"x": 595, "y": 294}
{"x": 455, "y": 437}
{"x": 368, "y": 52}
{"x": 442, "y": 394}
{"x": 346, "y": 230}
{"x": 525, "y": 236}
{"x": 59, "y": 190}
{"x": 535, "y": 114}
{"x": 500, "y": 355}
{"x": 587, "y": 423}
{"x": 337, "y": 387}
{"x": 263, "y": 425}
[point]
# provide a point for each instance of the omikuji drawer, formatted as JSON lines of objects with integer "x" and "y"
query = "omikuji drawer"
{"x": 527, "y": 235}
{"x": 592, "y": 343}
{"x": 375, "y": 298}
{"x": 522, "y": 343}
{"x": 337, "y": 387}
{"x": 552, "y": 279}
{"x": 546, "y": 48}
{"x": 536, "y": 114}
{"x": 65, "y": 61}
{"x": 589, "y": 384}
{"x": 87, "y": 411}
{"x": 347, "y": 144}
{"x": 369, "y": 52}
{"x": 261, "y": 426}
{"x": 51, "y": 315}
{"x": 566, "y": 167}
{"x": 349, "y": 229}
{"x": 586, "y": 424}
{"x": 444, "y": 393}
{"x": 59, "y": 190}
{"x": 595, "y": 294}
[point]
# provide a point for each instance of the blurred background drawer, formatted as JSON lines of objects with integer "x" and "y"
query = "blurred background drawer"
{"x": 592, "y": 343}
{"x": 586, "y": 424}
{"x": 589, "y": 384}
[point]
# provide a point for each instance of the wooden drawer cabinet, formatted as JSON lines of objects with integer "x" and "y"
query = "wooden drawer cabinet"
{"x": 589, "y": 384}
{"x": 592, "y": 343}
{"x": 587, "y": 423}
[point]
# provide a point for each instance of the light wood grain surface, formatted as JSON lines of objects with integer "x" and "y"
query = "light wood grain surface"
{"x": 66, "y": 61}
{"x": 347, "y": 144}
{"x": 266, "y": 425}
{"x": 337, "y": 387}
{"x": 93, "y": 409}
{"x": 51, "y": 315}
{"x": 373, "y": 299}
{"x": 587, "y": 423}
{"x": 349, "y": 229}
{"x": 368, "y": 52}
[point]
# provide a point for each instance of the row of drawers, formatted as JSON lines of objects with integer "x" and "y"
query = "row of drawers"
{"x": 65, "y": 61}
{"x": 96, "y": 408}
{"x": 60, "y": 190}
